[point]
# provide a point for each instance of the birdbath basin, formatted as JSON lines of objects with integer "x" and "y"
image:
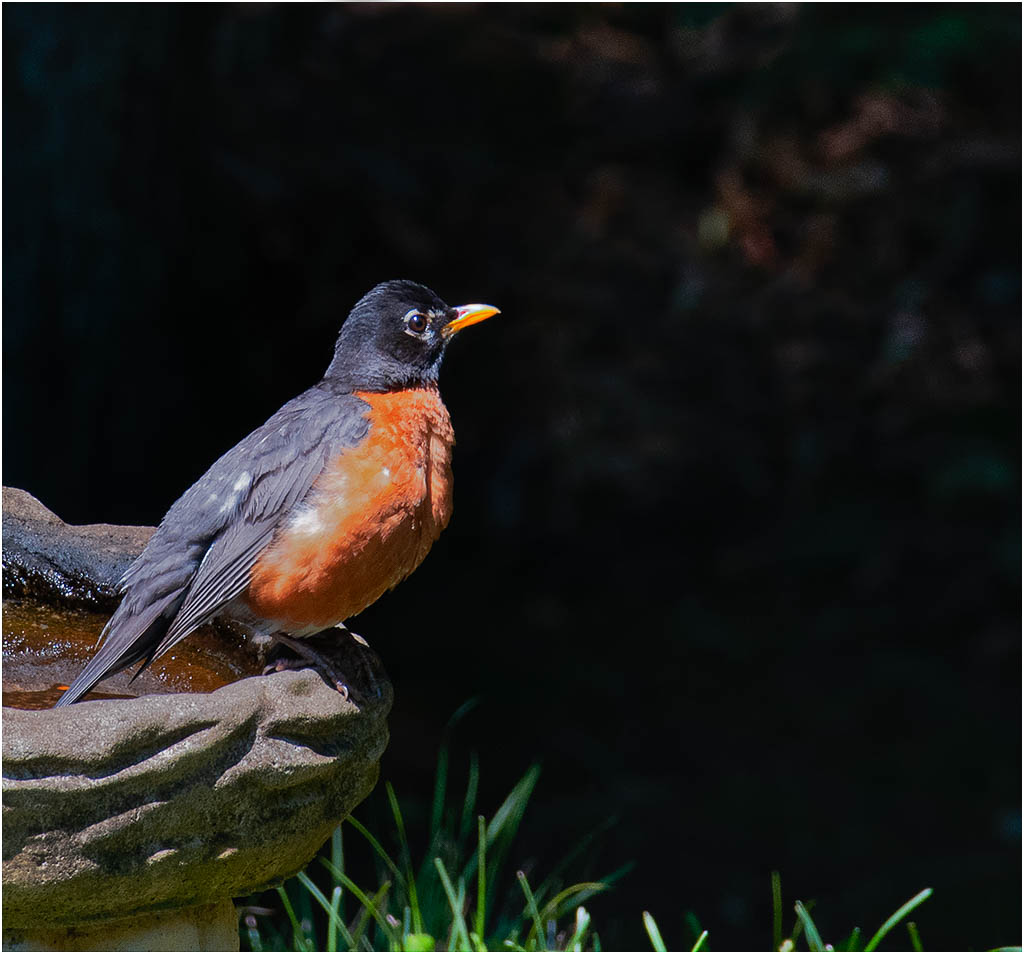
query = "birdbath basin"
{"x": 130, "y": 821}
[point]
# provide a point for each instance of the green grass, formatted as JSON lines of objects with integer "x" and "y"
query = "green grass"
{"x": 853, "y": 941}
{"x": 462, "y": 896}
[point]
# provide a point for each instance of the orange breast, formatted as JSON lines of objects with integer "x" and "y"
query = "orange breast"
{"x": 369, "y": 520}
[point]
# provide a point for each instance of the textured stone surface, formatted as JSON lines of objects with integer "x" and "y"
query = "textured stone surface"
{"x": 121, "y": 807}
{"x": 118, "y": 807}
{"x": 209, "y": 927}
{"x": 45, "y": 558}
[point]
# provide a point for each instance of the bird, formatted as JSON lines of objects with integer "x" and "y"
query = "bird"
{"x": 333, "y": 501}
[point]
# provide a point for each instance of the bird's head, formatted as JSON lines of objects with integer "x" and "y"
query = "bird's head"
{"x": 396, "y": 337}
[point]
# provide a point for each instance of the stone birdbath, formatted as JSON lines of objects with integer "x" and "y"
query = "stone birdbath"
{"x": 131, "y": 821}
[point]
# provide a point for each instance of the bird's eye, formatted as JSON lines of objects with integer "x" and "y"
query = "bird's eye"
{"x": 416, "y": 322}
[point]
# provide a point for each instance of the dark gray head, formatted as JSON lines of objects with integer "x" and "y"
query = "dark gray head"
{"x": 395, "y": 337}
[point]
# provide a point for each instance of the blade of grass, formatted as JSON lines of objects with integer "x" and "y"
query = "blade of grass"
{"x": 304, "y": 909}
{"x": 915, "y": 938}
{"x": 798, "y": 927}
{"x": 441, "y": 782}
{"x": 653, "y": 933}
{"x": 552, "y": 909}
{"x": 376, "y": 845}
{"x": 501, "y": 831}
{"x": 853, "y": 940}
{"x": 393, "y": 938}
{"x": 481, "y": 874}
{"x": 396, "y": 813}
{"x": 338, "y": 858}
{"x": 410, "y": 877}
{"x": 814, "y": 941}
{"x": 898, "y": 915}
{"x": 610, "y": 879}
{"x": 333, "y": 919}
{"x": 700, "y": 941}
{"x": 693, "y": 924}
{"x": 360, "y": 895}
{"x": 509, "y": 814}
{"x": 252, "y": 932}
{"x": 531, "y": 905}
{"x": 469, "y": 802}
{"x": 579, "y": 930}
{"x": 440, "y": 787}
{"x": 459, "y": 921}
{"x": 577, "y": 893}
{"x": 298, "y": 935}
{"x": 468, "y": 706}
{"x": 776, "y": 911}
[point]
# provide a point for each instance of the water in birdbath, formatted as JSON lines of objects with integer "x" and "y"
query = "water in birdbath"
{"x": 46, "y": 646}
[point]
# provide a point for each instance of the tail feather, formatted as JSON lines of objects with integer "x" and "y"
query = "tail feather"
{"x": 127, "y": 639}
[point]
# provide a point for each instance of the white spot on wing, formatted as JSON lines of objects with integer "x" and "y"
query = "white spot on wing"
{"x": 307, "y": 521}
{"x": 239, "y": 487}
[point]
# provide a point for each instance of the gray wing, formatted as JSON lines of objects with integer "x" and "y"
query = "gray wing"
{"x": 201, "y": 554}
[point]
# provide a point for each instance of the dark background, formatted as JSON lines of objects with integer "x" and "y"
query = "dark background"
{"x": 736, "y": 548}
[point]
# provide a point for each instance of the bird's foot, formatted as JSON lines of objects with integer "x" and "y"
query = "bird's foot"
{"x": 347, "y": 666}
{"x": 307, "y": 655}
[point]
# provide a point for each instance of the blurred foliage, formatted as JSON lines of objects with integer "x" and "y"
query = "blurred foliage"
{"x": 738, "y": 504}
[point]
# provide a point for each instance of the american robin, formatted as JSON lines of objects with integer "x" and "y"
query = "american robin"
{"x": 308, "y": 520}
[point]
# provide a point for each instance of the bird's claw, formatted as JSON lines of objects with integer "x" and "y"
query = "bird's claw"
{"x": 308, "y": 658}
{"x": 359, "y": 639}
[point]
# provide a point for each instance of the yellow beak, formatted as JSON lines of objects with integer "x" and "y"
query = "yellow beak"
{"x": 467, "y": 315}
